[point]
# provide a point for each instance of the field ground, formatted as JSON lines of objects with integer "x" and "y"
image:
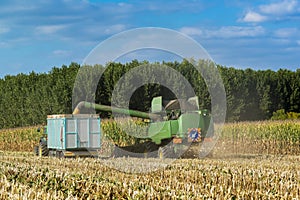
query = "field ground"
{"x": 251, "y": 160}
{"x": 23, "y": 175}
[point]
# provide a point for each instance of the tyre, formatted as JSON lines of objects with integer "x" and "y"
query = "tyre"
{"x": 166, "y": 152}
{"x": 52, "y": 153}
{"x": 36, "y": 150}
{"x": 206, "y": 148}
{"x": 150, "y": 150}
{"x": 59, "y": 154}
{"x": 43, "y": 149}
{"x": 117, "y": 152}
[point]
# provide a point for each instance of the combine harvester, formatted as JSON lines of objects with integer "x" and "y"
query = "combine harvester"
{"x": 174, "y": 126}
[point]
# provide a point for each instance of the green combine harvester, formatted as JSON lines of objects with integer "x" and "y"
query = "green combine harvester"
{"x": 173, "y": 126}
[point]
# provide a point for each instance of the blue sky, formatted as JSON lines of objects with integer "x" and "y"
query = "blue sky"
{"x": 37, "y": 35}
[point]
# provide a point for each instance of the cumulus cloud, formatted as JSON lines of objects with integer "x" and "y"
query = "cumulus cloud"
{"x": 283, "y": 7}
{"x": 253, "y": 17}
{"x": 274, "y": 11}
{"x": 191, "y": 31}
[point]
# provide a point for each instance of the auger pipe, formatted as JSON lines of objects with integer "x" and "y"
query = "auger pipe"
{"x": 135, "y": 113}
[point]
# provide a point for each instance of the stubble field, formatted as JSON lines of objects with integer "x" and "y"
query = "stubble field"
{"x": 252, "y": 160}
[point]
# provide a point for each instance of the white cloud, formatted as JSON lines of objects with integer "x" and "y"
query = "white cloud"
{"x": 191, "y": 31}
{"x": 298, "y": 42}
{"x": 62, "y": 53}
{"x": 4, "y": 44}
{"x": 122, "y": 4}
{"x": 280, "y": 10}
{"x": 280, "y": 41}
{"x": 114, "y": 29}
{"x": 225, "y": 31}
{"x": 169, "y": 6}
{"x": 49, "y": 29}
{"x": 253, "y": 17}
{"x": 286, "y": 32}
{"x": 240, "y": 31}
{"x": 4, "y": 30}
{"x": 97, "y": 31}
{"x": 283, "y": 7}
{"x": 17, "y": 7}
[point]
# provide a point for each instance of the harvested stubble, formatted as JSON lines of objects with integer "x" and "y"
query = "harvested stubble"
{"x": 24, "y": 176}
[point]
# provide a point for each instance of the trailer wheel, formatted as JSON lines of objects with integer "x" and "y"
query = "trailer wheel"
{"x": 43, "y": 150}
{"x": 59, "y": 154}
{"x": 166, "y": 152}
{"x": 36, "y": 150}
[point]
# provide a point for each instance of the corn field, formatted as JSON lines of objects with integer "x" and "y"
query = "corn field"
{"x": 19, "y": 139}
{"x": 23, "y": 176}
{"x": 116, "y": 131}
{"x": 263, "y": 163}
{"x": 265, "y": 137}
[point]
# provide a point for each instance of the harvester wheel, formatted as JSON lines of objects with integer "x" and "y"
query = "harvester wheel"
{"x": 166, "y": 152}
{"x": 150, "y": 150}
{"x": 117, "y": 152}
{"x": 206, "y": 148}
{"x": 43, "y": 150}
{"x": 36, "y": 150}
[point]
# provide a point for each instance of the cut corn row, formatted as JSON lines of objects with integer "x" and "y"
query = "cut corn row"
{"x": 26, "y": 177}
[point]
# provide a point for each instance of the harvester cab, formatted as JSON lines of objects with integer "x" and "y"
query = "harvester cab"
{"x": 174, "y": 108}
{"x": 184, "y": 124}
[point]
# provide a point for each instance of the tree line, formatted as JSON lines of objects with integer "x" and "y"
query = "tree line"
{"x": 26, "y": 99}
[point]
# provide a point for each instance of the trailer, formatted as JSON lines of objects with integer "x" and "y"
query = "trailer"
{"x": 70, "y": 135}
